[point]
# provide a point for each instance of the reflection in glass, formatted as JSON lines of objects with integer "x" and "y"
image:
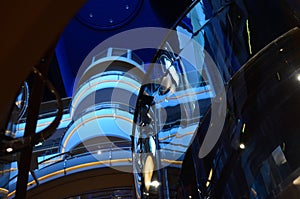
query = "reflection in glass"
{"x": 19, "y": 109}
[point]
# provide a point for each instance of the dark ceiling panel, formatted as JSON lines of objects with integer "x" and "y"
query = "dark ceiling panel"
{"x": 28, "y": 30}
{"x": 107, "y": 15}
{"x": 99, "y": 20}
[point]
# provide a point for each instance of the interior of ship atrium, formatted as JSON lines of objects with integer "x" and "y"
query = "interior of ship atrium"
{"x": 150, "y": 99}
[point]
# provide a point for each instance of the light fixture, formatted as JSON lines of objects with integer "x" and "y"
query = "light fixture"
{"x": 155, "y": 183}
{"x": 148, "y": 172}
{"x": 278, "y": 76}
{"x": 298, "y": 77}
{"x": 39, "y": 144}
{"x": 254, "y": 191}
{"x": 244, "y": 127}
{"x": 242, "y": 146}
{"x": 297, "y": 181}
{"x": 9, "y": 149}
{"x": 209, "y": 177}
{"x": 146, "y": 193}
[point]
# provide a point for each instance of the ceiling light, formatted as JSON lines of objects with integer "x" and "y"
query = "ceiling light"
{"x": 9, "y": 149}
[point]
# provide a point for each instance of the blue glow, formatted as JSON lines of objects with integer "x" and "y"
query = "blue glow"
{"x": 65, "y": 67}
{"x": 43, "y": 123}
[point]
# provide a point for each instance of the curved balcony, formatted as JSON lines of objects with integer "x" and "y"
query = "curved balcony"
{"x": 76, "y": 163}
{"x": 111, "y": 85}
{"x": 104, "y": 160}
{"x": 106, "y": 122}
{"x": 104, "y": 99}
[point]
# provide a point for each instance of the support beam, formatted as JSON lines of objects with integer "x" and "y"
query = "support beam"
{"x": 24, "y": 163}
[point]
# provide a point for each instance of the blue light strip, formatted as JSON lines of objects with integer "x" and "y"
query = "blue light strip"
{"x": 104, "y": 122}
{"x": 43, "y": 123}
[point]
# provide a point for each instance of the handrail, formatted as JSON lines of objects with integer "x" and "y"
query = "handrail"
{"x": 70, "y": 154}
{"x": 84, "y": 147}
{"x": 106, "y": 105}
{"x": 66, "y": 156}
{"x": 107, "y": 73}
